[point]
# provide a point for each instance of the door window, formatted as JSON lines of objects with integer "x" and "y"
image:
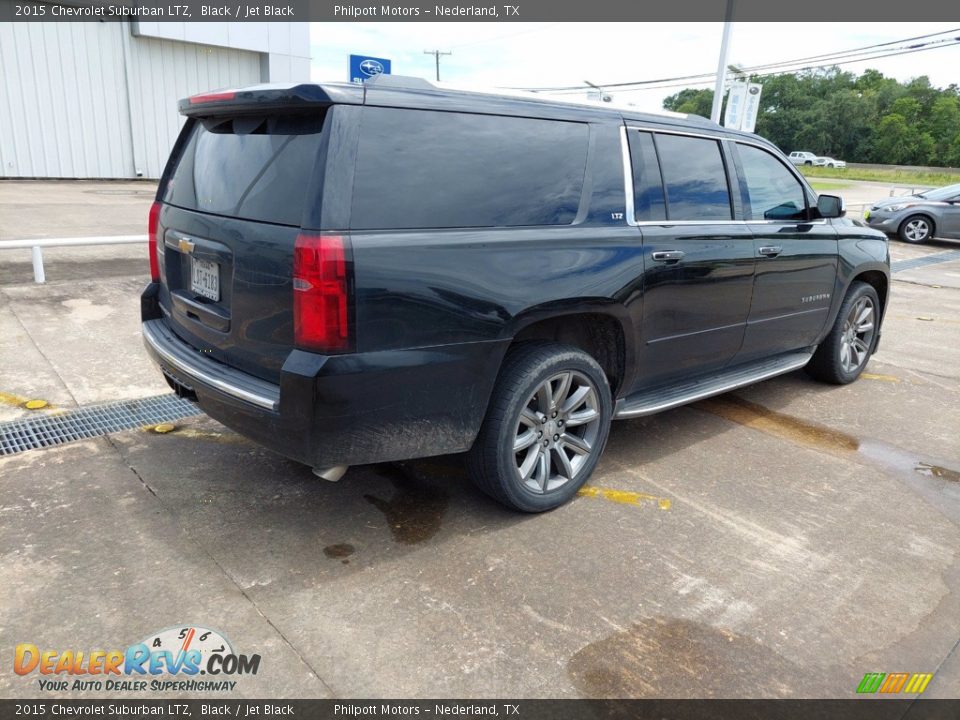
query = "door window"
{"x": 771, "y": 191}
{"x": 648, "y": 200}
{"x": 695, "y": 178}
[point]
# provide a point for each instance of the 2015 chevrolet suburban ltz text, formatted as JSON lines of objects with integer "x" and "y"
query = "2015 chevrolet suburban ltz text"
{"x": 358, "y": 274}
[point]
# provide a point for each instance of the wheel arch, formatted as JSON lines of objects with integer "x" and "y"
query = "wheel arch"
{"x": 602, "y": 330}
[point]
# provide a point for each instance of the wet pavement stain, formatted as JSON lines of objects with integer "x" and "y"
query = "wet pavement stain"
{"x": 752, "y": 415}
{"x": 415, "y": 512}
{"x": 888, "y": 457}
{"x": 665, "y": 657}
{"x": 340, "y": 552}
{"x": 624, "y": 497}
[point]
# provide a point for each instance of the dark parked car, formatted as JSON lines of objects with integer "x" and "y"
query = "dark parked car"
{"x": 352, "y": 275}
{"x": 918, "y": 218}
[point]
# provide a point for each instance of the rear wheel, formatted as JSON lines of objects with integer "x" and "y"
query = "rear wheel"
{"x": 916, "y": 229}
{"x": 843, "y": 355}
{"x": 545, "y": 428}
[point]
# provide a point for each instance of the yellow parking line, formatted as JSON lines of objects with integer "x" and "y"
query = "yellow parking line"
{"x": 882, "y": 378}
{"x": 28, "y": 403}
{"x": 624, "y": 497}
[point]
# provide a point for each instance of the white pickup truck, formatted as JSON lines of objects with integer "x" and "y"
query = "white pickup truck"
{"x": 802, "y": 157}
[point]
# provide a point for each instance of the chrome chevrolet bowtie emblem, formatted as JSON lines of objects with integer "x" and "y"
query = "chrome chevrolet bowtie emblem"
{"x": 186, "y": 245}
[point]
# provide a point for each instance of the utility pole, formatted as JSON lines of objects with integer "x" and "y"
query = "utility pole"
{"x": 436, "y": 54}
{"x": 722, "y": 65}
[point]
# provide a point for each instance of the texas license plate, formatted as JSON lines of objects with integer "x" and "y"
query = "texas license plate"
{"x": 205, "y": 279}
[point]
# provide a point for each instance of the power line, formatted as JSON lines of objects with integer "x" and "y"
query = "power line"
{"x": 954, "y": 42}
{"x": 840, "y": 54}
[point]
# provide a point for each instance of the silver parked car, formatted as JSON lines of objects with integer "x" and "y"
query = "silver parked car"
{"x": 917, "y": 218}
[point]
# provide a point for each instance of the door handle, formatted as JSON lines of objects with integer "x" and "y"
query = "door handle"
{"x": 771, "y": 250}
{"x": 668, "y": 255}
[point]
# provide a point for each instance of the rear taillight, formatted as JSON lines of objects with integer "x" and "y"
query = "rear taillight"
{"x": 152, "y": 241}
{"x": 321, "y": 316}
{"x": 213, "y": 97}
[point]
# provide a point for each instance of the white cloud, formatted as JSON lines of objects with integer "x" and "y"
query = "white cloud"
{"x": 556, "y": 54}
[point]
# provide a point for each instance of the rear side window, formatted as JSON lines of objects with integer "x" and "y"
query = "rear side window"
{"x": 695, "y": 178}
{"x": 256, "y": 168}
{"x": 426, "y": 169}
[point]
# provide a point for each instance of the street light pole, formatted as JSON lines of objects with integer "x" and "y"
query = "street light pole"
{"x": 722, "y": 65}
{"x": 437, "y": 54}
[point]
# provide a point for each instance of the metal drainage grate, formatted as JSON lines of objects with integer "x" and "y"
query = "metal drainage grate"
{"x": 912, "y": 263}
{"x": 48, "y": 430}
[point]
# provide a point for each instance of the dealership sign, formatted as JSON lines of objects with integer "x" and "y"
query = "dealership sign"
{"x": 743, "y": 106}
{"x": 364, "y": 67}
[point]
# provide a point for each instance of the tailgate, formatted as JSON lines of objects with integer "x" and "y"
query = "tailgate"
{"x": 233, "y": 205}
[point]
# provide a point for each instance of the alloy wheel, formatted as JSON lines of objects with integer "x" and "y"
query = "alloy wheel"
{"x": 916, "y": 230}
{"x": 557, "y": 431}
{"x": 859, "y": 327}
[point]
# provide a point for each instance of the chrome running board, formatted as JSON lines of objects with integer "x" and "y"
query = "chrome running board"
{"x": 654, "y": 400}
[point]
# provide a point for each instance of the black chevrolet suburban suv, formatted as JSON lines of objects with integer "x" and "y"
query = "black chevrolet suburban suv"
{"x": 357, "y": 274}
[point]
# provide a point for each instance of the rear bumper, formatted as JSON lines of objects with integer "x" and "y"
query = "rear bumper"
{"x": 343, "y": 409}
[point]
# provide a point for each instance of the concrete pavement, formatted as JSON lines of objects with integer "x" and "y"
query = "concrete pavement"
{"x": 781, "y": 540}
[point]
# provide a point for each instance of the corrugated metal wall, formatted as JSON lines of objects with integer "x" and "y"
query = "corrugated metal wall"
{"x": 90, "y": 100}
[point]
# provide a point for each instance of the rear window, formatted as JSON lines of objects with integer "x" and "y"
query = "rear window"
{"x": 256, "y": 168}
{"x": 426, "y": 169}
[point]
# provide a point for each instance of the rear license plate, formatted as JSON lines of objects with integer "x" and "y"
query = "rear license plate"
{"x": 205, "y": 279}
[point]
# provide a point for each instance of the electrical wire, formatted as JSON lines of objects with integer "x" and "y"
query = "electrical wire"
{"x": 839, "y": 55}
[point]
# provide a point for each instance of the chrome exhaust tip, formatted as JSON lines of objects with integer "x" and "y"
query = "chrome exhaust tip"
{"x": 331, "y": 473}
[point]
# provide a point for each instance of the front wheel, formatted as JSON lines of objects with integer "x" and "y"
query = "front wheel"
{"x": 916, "y": 229}
{"x": 844, "y": 353}
{"x": 545, "y": 428}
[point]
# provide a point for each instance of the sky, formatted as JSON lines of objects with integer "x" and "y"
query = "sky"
{"x": 558, "y": 54}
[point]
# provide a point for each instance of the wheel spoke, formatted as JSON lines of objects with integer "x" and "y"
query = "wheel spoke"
{"x": 529, "y": 418}
{"x": 575, "y": 443}
{"x": 545, "y": 397}
{"x": 543, "y": 470}
{"x": 581, "y": 417}
{"x": 524, "y": 441}
{"x": 845, "y": 355}
{"x": 577, "y": 399}
{"x": 530, "y": 462}
{"x": 560, "y": 394}
{"x": 865, "y": 315}
{"x": 565, "y": 466}
{"x": 861, "y": 346}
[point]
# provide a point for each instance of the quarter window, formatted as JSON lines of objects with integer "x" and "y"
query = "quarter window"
{"x": 695, "y": 178}
{"x": 771, "y": 192}
{"x": 427, "y": 169}
{"x": 648, "y": 200}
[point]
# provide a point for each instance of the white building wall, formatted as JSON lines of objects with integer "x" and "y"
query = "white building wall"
{"x": 99, "y": 100}
{"x": 63, "y": 101}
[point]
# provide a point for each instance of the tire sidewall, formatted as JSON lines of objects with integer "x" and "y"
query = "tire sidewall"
{"x": 520, "y": 496}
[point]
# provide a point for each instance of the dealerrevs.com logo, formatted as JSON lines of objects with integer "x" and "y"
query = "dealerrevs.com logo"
{"x": 187, "y": 658}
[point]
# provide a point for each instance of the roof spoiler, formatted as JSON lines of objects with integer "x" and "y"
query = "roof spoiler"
{"x": 260, "y": 98}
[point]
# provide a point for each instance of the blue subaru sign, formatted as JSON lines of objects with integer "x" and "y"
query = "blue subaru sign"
{"x": 364, "y": 67}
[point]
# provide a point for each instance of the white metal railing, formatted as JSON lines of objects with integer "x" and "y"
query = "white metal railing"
{"x": 36, "y": 246}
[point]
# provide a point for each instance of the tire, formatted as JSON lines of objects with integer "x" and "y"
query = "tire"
{"x": 844, "y": 353}
{"x": 807, "y": 162}
{"x": 512, "y": 466}
{"x": 916, "y": 229}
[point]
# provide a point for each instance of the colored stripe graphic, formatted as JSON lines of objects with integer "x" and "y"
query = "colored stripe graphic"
{"x": 918, "y": 683}
{"x": 894, "y": 682}
{"x": 871, "y": 682}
